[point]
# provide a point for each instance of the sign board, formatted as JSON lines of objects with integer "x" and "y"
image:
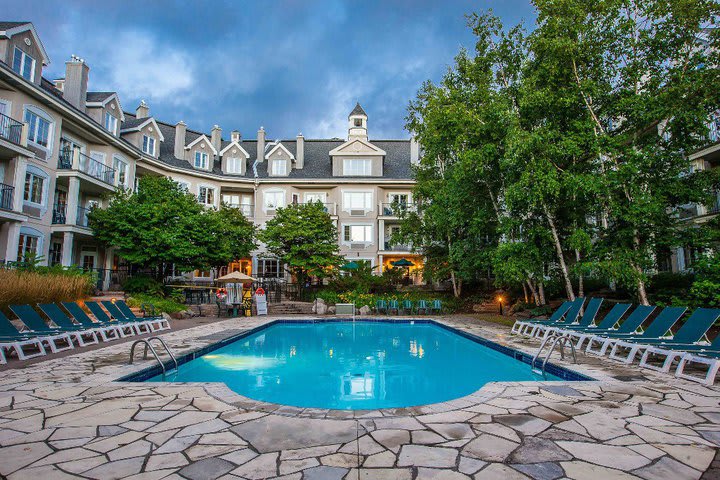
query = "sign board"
{"x": 261, "y": 301}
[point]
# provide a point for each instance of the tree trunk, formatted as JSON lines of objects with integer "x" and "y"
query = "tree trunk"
{"x": 581, "y": 286}
{"x": 534, "y": 292}
{"x": 541, "y": 290}
{"x": 642, "y": 293}
{"x": 525, "y": 293}
{"x": 456, "y": 284}
{"x": 559, "y": 252}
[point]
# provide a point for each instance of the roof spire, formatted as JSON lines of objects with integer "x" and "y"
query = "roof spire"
{"x": 358, "y": 110}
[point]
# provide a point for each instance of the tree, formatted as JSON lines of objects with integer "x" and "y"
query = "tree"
{"x": 305, "y": 239}
{"x": 162, "y": 225}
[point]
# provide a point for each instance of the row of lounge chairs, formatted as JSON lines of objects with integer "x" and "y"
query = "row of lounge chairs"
{"x": 408, "y": 307}
{"x": 73, "y": 326}
{"x": 627, "y": 340}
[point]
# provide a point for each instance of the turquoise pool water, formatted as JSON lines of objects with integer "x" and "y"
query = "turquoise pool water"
{"x": 360, "y": 365}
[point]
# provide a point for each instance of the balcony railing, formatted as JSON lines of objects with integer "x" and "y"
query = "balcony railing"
{"x": 714, "y": 207}
{"x": 246, "y": 209}
{"x": 395, "y": 209}
{"x": 10, "y": 130}
{"x": 398, "y": 247}
{"x": 328, "y": 207}
{"x": 6, "y": 196}
{"x": 59, "y": 215}
{"x": 82, "y": 217}
{"x": 86, "y": 165}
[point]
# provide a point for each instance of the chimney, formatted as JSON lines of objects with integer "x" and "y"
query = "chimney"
{"x": 414, "y": 151}
{"x": 76, "y": 82}
{"x": 216, "y": 138}
{"x": 180, "y": 129}
{"x": 300, "y": 151}
{"x": 261, "y": 145}
{"x": 143, "y": 110}
{"x": 235, "y": 136}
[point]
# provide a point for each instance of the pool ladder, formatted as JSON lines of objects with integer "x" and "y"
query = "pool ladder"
{"x": 148, "y": 346}
{"x": 556, "y": 339}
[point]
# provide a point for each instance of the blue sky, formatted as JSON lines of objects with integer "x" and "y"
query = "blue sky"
{"x": 290, "y": 66}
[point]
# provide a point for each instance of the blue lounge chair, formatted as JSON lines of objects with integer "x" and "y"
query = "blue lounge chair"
{"x": 631, "y": 325}
{"x": 156, "y": 323}
{"x": 586, "y": 320}
{"x": 393, "y": 305}
{"x": 422, "y": 305}
{"x": 381, "y": 306}
{"x": 570, "y": 318}
{"x": 407, "y": 306}
{"x": 103, "y": 317}
{"x": 12, "y": 339}
{"x": 610, "y": 321}
{"x": 520, "y": 325}
{"x": 703, "y": 354}
{"x": 693, "y": 331}
{"x": 34, "y": 322}
{"x": 84, "y": 319}
{"x": 436, "y": 306}
{"x": 83, "y": 336}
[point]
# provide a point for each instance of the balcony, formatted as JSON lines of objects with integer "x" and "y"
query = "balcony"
{"x": 81, "y": 220}
{"x": 74, "y": 160}
{"x": 11, "y": 130}
{"x": 6, "y": 196}
{"x": 398, "y": 247}
{"x": 59, "y": 215}
{"x": 328, "y": 207}
{"x": 396, "y": 209}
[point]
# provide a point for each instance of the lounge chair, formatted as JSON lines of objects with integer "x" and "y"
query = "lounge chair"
{"x": 660, "y": 327}
{"x": 610, "y": 321}
{"x": 381, "y": 306}
{"x": 631, "y": 325}
{"x": 688, "y": 336}
{"x": 520, "y": 325}
{"x": 55, "y": 313}
{"x": 407, "y": 306}
{"x": 12, "y": 339}
{"x": 393, "y": 305}
{"x": 34, "y": 322}
{"x": 83, "y": 336}
{"x": 99, "y": 313}
{"x": 76, "y": 311}
{"x": 586, "y": 320}
{"x": 570, "y": 318}
{"x": 158, "y": 322}
{"x": 436, "y": 306}
{"x": 703, "y": 354}
{"x": 422, "y": 305}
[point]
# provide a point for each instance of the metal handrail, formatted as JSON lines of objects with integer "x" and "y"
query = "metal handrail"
{"x": 148, "y": 346}
{"x": 6, "y": 196}
{"x": 555, "y": 338}
{"x": 10, "y": 129}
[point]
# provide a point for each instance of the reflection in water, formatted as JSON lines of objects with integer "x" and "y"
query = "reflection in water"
{"x": 239, "y": 362}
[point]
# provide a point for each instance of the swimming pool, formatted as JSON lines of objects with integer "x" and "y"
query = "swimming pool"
{"x": 354, "y": 365}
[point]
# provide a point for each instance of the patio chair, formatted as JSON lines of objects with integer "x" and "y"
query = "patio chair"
{"x": 658, "y": 328}
{"x": 77, "y": 313}
{"x": 103, "y": 317}
{"x": 121, "y": 317}
{"x": 610, "y": 321}
{"x": 12, "y": 339}
{"x": 34, "y": 322}
{"x": 632, "y": 324}
{"x": 422, "y": 305}
{"x": 407, "y": 306}
{"x": 83, "y": 336}
{"x": 586, "y": 320}
{"x": 436, "y": 306}
{"x": 570, "y": 318}
{"x": 381, "y": 306}
{"x": 158, "y": 320}
{"x": 520, "y": 325}
{"x": 700, "y": 354}
{"x": 393, "y": 305}
{"x": 693, "y": 331}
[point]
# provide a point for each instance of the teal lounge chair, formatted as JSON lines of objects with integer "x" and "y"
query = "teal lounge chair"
{"x": 103, "y": 317}
{"x": 34, "y": 322}
{"x": 610, "y": 321}
{"x": 632, "y": 324}
{"x": 115, "y": 312}
{"x": 12, "y": 339}
{"x": 693, "y": 331}
{"x": 586, "y": 320}
{"x": 660, "y": 327}
{"x": 77, "y": 313}
{"x": 83, "y": 336}
{"x": 436, "y": 306}
{"x": 393, "y": 305}
{"x": 520, "y": 325}
{"x": 156, "y": 322}
{"x": 422, "y": 305}
{"x": 381, "y": 306}
{"x": 703, "y": 354}
{"x": 570, "y": 318}
{"x": 407, "y": 306}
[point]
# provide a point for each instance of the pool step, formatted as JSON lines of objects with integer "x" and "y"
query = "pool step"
{"x": 290, "y": 308}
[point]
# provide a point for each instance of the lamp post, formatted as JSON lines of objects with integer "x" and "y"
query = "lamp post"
{"x": 500, "y": 300}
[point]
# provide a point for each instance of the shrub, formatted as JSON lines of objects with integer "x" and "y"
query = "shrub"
{"x": 43, "y": 285}
{"x": 161, "y": 304}
{"x": 143, "y": 284}
{"x": 360, "y": 299}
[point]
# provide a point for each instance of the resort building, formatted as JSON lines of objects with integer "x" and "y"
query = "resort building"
{"x": 64, "y": 147}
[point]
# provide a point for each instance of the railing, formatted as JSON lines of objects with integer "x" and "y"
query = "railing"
{"x": 398, "y": 247}
{"x": 714, "y": 207}
{"x": 59, "y": 215}
{"x": 6, "y": 196}
{"x": 393, "y": 209}
{"x": 328, "y": 207}
{"x": 246, "y": 209}
{"x": 82, "y": 217}
{"x": 10, "y": 130}
{"x": 86, "y": 165}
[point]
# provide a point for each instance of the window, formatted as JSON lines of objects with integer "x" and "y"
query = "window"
{"x": 358, "y": 122}
{"x": 207, "y": 196}
{"x": 38, "y": 128}
{"x": 184, "y": 186}
{"x": 279, "y": 166}
{"x": 111, "y": 123}
{"x": 27, "y": 246}
{"x": 359, "y": 167}
{"x": 269, "y": 267}
{"x": 357, "y": 200}
{"x": 148, "y": 145}
{"x": 232, "y": 200}
{"x": 121, "y": 169}
{"x": 357, "y": 233}
{"x": 24, "y": 64}
{"x": 274, "y": 200}
{"x": 55, "y": 253}
{"x": 316, "y": 197}
{"x": 34, "y": 185}
{"x": 201, "y": 160}
{"x": 234, "y": 165}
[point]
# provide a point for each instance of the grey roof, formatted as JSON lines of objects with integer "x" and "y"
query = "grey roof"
{"x": 6, "y": 25}
{"x": 317, "y": 163}
{"x": 358, "y": 110}
{"x": 133, "y": 122}
{"x": 98, "y": 96}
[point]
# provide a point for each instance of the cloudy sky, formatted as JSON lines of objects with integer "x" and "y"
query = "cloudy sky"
{"x": 291, "y": 66}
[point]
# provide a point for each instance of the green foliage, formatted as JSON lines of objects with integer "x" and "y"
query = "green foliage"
{"x": 360, "y": 299}
{"x": 161, "y": 304}
{"x": 143, "y": 284}
{"x": 705, "y": 290}
{"x": 365, "y": 280}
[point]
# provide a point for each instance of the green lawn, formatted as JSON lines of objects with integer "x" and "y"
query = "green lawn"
{"x": 494, "y": 318}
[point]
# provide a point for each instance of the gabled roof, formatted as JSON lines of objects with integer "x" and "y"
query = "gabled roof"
{"x": 201, "y": 137}
{"x": 370, "y": 149}
{"x": 137, "y": 124}
{"x": 358, "y": 110}
{"x": 100, "y": 99}
{"x": 235, "y": 144}
{"x": 281, "y": 146}
{"x": 8, "y": 29}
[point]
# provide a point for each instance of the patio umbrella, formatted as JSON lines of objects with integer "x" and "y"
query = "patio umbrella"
{"x": 235, "y": 277}
{"x": 234, "y": 285}
{"x": 350, "y": 266}
{"x": 402, "y": 263}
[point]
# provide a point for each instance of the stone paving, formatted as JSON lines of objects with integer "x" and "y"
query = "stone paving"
{"x": 70, "y": 418}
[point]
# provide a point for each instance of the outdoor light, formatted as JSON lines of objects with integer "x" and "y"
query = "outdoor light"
{"x": 500, "y": 300}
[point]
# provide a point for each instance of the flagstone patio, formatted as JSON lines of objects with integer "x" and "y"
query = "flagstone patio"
{"x": 70, "y": 418}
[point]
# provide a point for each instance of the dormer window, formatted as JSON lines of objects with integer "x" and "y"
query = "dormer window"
{"x": 111, "y": 123}
{"x": 148, "y": 145}
{"x": 279, "y": 166}
{"x": 24, "y": 64}
{"x": 234, "y": 165}
{"x": 201, "y": 160}
{"x": 357, "y": 167}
